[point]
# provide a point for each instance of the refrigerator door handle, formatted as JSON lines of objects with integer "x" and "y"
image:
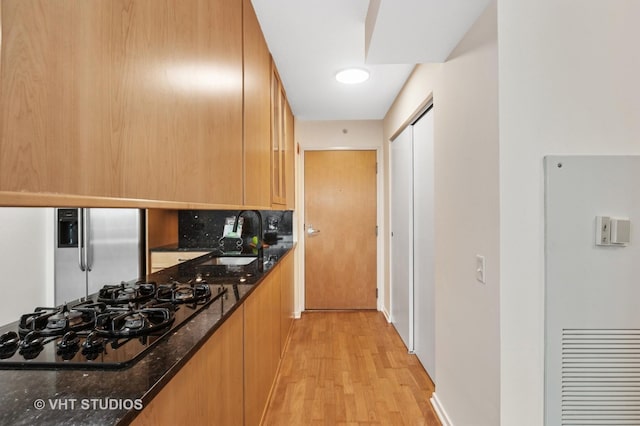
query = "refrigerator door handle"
{"x": 87, "y": 243}
{"x": 81, "y": 263}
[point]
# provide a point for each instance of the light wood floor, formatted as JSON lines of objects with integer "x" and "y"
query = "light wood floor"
{"x": 349, "y": 368}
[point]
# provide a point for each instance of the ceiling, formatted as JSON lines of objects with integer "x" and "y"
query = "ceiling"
{"x": 311, "y": 40}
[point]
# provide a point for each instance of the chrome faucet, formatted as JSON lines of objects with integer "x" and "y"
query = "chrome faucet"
{"x": 259, "y": 242}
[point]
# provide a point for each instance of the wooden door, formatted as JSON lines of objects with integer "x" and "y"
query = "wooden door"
{"x": 340, "y": 206}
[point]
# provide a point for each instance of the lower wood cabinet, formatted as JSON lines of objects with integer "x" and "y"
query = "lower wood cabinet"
{"x": 230, "y": 378}
{"x": 261, "y": 345}
{"x": 208, "y": 389}
{"x": 286, "y": 298}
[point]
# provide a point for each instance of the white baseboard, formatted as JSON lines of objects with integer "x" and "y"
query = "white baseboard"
{"x": 440, "y": 411}
{"x": 386, "y": 314}
{"x": 297, "y": 315}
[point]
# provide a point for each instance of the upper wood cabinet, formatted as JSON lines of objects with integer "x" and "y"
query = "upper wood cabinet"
{"x": 281, "y": 137}
{"x": 123, "y": 98}
{"x": 176, "y": 101}
{"x": 54, "y": 108}
{"x": 257, "y": 104}
{"x": 289, "y": 156}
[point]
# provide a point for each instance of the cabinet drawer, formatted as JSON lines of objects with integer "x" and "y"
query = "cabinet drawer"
{"x": 164, "y": 259}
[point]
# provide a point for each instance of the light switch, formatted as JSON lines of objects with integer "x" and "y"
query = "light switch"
{"x": 603, "y": 230}
{"x": 480, "y": 269}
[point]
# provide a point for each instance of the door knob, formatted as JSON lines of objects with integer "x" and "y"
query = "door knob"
{"x": 312, "y": 231}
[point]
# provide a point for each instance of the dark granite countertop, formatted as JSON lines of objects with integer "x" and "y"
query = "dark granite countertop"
{"x": 101, "y": 397}
{"x": 176, "y": 247}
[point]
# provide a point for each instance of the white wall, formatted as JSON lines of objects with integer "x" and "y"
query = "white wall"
{"x": 465, "y": 97}
{"x": 467, "y": 223}
{"x": 357, "y": 134}
{"x": 568, "y": 85}
{"x": 321, "y": 135}
{"x": 26, "y": 261}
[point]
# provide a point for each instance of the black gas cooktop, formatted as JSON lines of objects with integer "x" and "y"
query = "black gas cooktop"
{"x": 112, "y": 329}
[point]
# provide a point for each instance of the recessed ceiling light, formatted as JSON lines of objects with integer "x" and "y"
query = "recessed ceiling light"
{"x": 352, "y": 76}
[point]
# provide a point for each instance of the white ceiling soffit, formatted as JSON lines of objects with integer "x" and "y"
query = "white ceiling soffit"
{"x": 311, "y": 40}
{"x": 418, "y": 31}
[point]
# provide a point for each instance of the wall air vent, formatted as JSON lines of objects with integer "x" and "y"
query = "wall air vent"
{"x": 600, "y": 377}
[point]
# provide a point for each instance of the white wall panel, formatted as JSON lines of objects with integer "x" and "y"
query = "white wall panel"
{"x": 592, "y": 349}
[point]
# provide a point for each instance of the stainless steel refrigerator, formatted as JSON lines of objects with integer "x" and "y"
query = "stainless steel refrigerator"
{"x": 95, "y": 247}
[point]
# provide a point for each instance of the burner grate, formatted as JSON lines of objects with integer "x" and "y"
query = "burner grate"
{"x": 127, "y": 293}
{"x": 58, "y": 321}
{"x": 135, "y": 322}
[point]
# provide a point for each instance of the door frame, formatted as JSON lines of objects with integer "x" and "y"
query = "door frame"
{"x": 300, "y": 291}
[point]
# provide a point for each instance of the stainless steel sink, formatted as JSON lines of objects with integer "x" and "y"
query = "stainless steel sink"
{"x": 230, "y": 260}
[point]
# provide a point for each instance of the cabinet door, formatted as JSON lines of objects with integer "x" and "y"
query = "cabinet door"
{"x": 257, "y": 112}
{"x": 286, "y": 298}
{"x": 278, "y": 100}
{"x": 282, "y": 147}
{"x": 54, "y": 107}
{"x": 289, "y": 158}
{"x": 208, "y": 389}
{"x": 261, "y": 345}
{"x": 176, "y": 105}
{"x": 123, "y": 98}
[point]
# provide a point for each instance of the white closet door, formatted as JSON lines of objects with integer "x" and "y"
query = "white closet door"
{"x": 423, "y": 243}
{"x": 402, "y": 232}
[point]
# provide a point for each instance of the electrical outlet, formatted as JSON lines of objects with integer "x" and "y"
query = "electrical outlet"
{"x": 480, "y": 269}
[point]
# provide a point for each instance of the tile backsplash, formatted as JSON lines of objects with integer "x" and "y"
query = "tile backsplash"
{"x": 203, "y": 228}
